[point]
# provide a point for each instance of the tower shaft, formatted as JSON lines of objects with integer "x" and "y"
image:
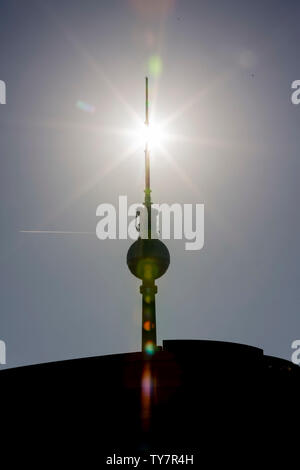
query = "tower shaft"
{"x": 149, "y": 339}
{"x": 148, "y": 289}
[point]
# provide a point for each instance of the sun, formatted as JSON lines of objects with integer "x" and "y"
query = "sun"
{"x": 151, "y": 135}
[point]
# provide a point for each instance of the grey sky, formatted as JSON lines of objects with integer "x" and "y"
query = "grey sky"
{"x": 227, "y": 69}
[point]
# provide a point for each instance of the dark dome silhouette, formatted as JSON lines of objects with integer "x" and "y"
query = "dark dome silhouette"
{"x": 148, "y": 259}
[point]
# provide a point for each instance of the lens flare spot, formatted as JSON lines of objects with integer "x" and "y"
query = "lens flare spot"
{"x": 150, "y": 348}
{"x": 147, "y": 325}
{"x": 155, "y": 65}
{"x": 146, "y": 395}
{"x": 83, "y": 106}
{"x": 148, "y": 272}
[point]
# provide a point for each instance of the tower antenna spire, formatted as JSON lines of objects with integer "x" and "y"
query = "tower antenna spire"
{"x": 147, "y": 201}
{"x": 147, "y": 104}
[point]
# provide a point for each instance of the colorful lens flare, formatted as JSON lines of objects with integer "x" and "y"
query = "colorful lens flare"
{"x": 83, "y": 106}
{"x": 150, "y": 348}
{"x": 155, "y": 65}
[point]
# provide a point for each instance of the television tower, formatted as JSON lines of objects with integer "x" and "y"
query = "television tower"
{"x": 148, "y": 259}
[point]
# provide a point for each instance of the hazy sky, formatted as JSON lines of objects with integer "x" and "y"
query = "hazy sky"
{"x": 222, "y": 81}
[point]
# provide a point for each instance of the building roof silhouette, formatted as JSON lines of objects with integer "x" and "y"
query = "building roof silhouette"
{"x": 191, "y": 395}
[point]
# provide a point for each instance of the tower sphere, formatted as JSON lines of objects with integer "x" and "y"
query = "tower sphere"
{"x": 148, "y": 259}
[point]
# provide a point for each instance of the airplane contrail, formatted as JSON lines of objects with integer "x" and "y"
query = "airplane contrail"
{"x": 55, "y": 232}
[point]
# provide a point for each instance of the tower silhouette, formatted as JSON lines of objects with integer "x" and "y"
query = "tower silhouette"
{"x": 148, "y": 259}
